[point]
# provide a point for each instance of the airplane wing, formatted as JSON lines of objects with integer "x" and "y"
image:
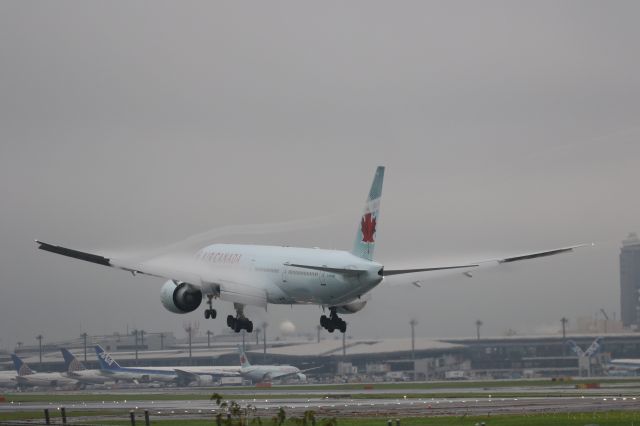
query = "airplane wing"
{"x": 179, "y": 269}
{"x": 477, "y": 264}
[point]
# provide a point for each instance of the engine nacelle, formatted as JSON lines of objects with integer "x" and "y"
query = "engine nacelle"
{"x": 351, "y": 308}
{"x": 181, "y": 297}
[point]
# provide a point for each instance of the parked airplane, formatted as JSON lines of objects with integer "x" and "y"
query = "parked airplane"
{"x": 623, "y": 367}
{"x": 258, "y": 275}
{"x": 76, "y": 370}
{"x": 110, "y": 368}
{"x": 8, "y": 379}
{"x": 261, "y": 373}
{"x": 181, "y": 375}
{"x": 26, "y": 376}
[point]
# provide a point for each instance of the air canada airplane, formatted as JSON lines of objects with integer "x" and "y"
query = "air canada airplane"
{"x": 257, "y": 275}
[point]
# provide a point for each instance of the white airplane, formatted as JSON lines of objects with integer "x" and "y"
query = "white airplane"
{"x": 257, "y": 275}
{"x": 8, "y": 379}
{"x": 183, "y": 375}
{"x": 623, "y": 367}
{"x": 262, "y": 373}
{"x": 26, "y": 376}
{"x": 76, "y": 370}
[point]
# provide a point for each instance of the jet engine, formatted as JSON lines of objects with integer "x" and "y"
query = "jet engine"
{"x": 302, "y": 377}
{"x": 351, "y": 308}
{"x": 180, "y": 297}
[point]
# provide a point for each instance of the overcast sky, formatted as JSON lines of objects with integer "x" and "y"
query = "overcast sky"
{"x": 504, "y": 126}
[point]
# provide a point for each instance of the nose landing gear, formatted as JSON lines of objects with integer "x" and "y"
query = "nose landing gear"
{"x": 333, "y": 322}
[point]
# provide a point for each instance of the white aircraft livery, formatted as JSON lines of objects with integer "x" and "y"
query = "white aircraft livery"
{"x": 257, "y": 275}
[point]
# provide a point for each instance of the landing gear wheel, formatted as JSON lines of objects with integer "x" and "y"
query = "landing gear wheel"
{"x": 206, "y": 314}
{"x": 231, "y": 321}
{"x": 342, "y": 327}
{"x": 249, "y": 327}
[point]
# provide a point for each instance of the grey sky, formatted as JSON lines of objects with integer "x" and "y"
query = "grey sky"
{"x": 505, "y": 126}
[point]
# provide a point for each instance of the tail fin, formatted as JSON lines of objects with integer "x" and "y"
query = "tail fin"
{"x": 21, "y": 367}
{"x": 105, "y": 360}
{"x": 244, "y": 361}
{"x": 71, "y": 363}
{"x": 365, "y": 237}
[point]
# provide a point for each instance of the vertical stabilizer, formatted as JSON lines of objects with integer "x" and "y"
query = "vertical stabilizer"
{"x": 71, "y": 363}
{"x": 366, "y": 236}
{"x": 21, "y": 367}
{"x": 105, "y": 360}
{"x": 244, "y": 361}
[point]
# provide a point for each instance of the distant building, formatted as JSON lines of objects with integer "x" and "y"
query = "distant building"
{"x": 630, "y": 280}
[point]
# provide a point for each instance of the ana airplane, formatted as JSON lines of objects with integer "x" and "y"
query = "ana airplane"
{"x": 262, "y": 373}
{"x": 183, "y": 375}
{"x": 258, "y": 275}
{"x": 110, "y": 368}
{"x": 26, "y": 376}
{"x": 76, "y": 370}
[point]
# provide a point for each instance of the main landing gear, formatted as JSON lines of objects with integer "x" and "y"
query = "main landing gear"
{"x": 333, "y": 322}
{"x": 210, "y": 313}
{"x": 239, "y": 322}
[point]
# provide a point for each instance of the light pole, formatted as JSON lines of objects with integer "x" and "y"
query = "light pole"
{"x": 209, "y": 334}
{"x": 344, "y": 345}
{"x": 264, "y": 341}
{"x": 318, "y": 329}
{"x": 142, "y": 332}
{"x": 39, "y": 337}
{"x": 478, "y": 325}
{"x": 161, "y": 341}
{"x": 257, "y": 333}
{"x": 84, "y": 340}
{"x": 564, "y": 322}
{"x": 413, "y": 324}
{"x": 135, "y": 342}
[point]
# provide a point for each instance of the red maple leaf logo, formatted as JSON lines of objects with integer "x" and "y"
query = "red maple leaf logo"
{"x": 368, "y": 227}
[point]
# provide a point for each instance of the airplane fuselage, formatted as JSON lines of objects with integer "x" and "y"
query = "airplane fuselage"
{"x": 270, "y": 268}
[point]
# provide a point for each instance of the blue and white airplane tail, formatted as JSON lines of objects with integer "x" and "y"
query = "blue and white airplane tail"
{"x": 71, "y": 363}
{"x": 105, "y": 360}
{"x": 21, "y": 367}
{"x": 365, "y": 241}
{"x": 244, "y": 361}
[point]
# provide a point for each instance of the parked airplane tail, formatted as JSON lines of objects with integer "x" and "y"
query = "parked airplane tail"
{"x": 71, "y": 363}
{"x": 244, "y": 361}
{"x": 105, "y": 360}
{"x": 365, "y": 241}
{"x": 21, "y": 367}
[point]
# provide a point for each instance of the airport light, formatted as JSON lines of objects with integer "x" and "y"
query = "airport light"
{"x": 478, "y": 325}
{"x": 209, "y": 334}
{"x": 39, "y": 337}
{"x": 135, "y": 342}
{"x": 142, "y": 332}
{"x": 84, "y": 340}
{"x": 564, "y": 322}
{"x": 413, "y": 324}
{"x": 264, "y": 341}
